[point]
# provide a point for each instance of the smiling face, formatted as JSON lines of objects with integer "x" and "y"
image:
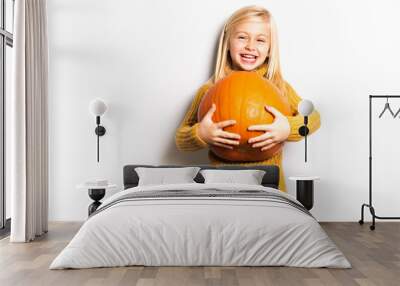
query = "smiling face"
{"x": 249, "y": 44}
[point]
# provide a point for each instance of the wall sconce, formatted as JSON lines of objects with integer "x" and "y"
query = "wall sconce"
{"x": 305, "y": 108}
{"x": 97, "y": 107}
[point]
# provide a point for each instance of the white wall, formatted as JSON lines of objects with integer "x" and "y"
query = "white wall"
{"x": 146, "y": 59}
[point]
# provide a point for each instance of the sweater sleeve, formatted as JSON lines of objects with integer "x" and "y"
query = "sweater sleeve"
{"x": 186, "y": 137}
{"x": 297, "y": 120}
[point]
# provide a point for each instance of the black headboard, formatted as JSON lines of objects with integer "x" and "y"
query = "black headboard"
{"x": 270, "y": 179}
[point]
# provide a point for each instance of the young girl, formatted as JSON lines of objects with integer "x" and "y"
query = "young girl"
{"x": 248, "y": 42}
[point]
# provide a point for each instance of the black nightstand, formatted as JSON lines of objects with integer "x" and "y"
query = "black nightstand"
{"x": 96, "y": 193}
{"x": 305, "y": 190}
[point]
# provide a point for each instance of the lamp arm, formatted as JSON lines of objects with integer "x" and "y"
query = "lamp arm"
{"x": 303, "y": 131}
{"x": 305, "y": 137}
{"x": 305, "y": 108}
{"x": 97, "y": 107}
{"x": 98, "y": 146}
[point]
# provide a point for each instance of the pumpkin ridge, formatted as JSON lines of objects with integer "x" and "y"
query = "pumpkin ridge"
{"x": 242, "y": 95}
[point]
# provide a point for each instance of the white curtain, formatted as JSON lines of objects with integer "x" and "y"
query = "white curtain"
{"x": 28, "y": 160}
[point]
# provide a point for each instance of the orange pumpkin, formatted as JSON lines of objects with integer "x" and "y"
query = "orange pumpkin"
{"x": 242, "y": 96}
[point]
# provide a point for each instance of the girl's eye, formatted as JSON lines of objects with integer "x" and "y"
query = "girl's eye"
{"x": 242, "y": 37}
{"x": 262, "y": 41}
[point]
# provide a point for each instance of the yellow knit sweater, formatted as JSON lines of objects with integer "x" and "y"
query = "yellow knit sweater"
{"x": 187, "y": 138}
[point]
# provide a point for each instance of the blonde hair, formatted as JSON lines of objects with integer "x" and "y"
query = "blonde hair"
{"x": 272, "y": 61}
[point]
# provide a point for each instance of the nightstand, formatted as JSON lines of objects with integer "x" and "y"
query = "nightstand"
{"x": 305, "y": 190}
{"x": 96, "y": 193}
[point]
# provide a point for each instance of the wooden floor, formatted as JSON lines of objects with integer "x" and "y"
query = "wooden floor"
{"x": 374, "y": 255}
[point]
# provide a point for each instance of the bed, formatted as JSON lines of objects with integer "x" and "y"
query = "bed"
{"x": 201, "y": 223}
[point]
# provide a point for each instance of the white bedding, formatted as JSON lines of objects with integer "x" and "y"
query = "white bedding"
{"x": 182, "y": 231}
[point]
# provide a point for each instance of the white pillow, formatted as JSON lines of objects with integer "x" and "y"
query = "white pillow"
{"x": 161, "y": 176}
{"x": 249, "y": 177}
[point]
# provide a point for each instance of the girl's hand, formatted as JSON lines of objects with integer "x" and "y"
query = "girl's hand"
{"x": 275, "y": 132}
{"x": 213, "y": 133}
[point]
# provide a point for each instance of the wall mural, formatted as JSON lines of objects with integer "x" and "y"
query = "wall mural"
{"x": 246, "y": 111}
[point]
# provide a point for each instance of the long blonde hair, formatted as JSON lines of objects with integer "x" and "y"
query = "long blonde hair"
{"x": 223, "y": 58}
